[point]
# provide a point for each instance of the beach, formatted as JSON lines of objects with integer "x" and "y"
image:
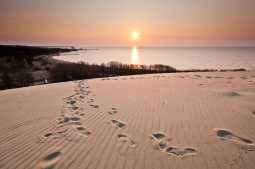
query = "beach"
{"x": 202, "y": 120}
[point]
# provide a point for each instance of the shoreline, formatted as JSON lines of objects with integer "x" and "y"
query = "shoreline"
{"x": 178, "y": 70}
{"x": 41, "y": 67}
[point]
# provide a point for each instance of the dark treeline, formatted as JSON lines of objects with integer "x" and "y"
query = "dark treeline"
{"x": 75, "y": 71}
{"x": 24, "y": 65}
{"x": 30, "y": 51}
{"x": 20, "y": 54}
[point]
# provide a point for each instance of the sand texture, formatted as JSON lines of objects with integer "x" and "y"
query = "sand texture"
{"x": 163, "y": 121}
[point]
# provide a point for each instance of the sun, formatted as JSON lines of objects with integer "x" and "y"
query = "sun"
{"x": 135, "y": 36}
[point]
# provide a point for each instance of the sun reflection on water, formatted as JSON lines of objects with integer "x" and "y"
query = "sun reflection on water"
{"x": 135, "y": 56}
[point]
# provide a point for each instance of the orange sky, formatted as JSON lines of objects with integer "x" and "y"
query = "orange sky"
{"x": 109, "y": 22}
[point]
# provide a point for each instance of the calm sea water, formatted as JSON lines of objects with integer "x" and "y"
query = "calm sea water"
{"x": 180, "y": 58}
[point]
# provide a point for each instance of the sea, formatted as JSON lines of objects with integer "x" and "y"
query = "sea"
{"x": 181, "y": 58}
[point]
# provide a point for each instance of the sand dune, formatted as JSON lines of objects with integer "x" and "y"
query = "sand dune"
{"x": 180, "y": 121}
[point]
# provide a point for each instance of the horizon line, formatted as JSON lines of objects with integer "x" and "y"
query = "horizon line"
{"x": 130, "y": 46}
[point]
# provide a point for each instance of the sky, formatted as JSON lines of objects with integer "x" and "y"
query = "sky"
{"x": 110, "y": 22}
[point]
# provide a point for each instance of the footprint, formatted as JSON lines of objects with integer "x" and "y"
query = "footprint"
{"x": 48, "y": 134}
{"x": 72, "y": 102}
{"x": 74, "y": 108}
{"x": 112, "y": 112}
{"x": 118, "y": 124}
{"x": 71, "y": 123}
{"x": 231, "y": 94}
{"x": 82, "y": 97}
{"x": 124, "y": 138}
{"x": 62, "y": 131}
{"x": 244, "y": 77}
{"x": 94, "y": 106}
{"x": 70, "y": 97}
{"x": 91, "y": 100}
{"x": 104, "y": 79}
{"x": 180, "y": 152}
{"x": 67, "y": 119}
{"x": 229, "y": 136}
{"x": 50, "y": 161}
{"x": 83, "y": 131}
{"x": 158, "y": 136}
{"x": 77, "y": 113}
{"x": 159, "y": 141}
{"x": 253, "y": 112}
{"x": 198, "y": 76}
{"x": 74, "y": 120}
{"x": 55, "y": 135}
{"x": 160, "y": 145}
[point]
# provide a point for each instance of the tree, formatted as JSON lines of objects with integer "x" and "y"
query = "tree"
{"x": 7, "y": 81}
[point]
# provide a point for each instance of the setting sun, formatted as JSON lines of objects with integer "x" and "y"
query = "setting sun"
{"x": 135, "y": 36}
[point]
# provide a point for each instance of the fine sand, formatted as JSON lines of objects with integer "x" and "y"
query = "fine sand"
{"x": 163, "y": 121}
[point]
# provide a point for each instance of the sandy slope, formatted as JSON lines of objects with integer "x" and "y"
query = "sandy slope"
{"x": 173, "y": 121}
